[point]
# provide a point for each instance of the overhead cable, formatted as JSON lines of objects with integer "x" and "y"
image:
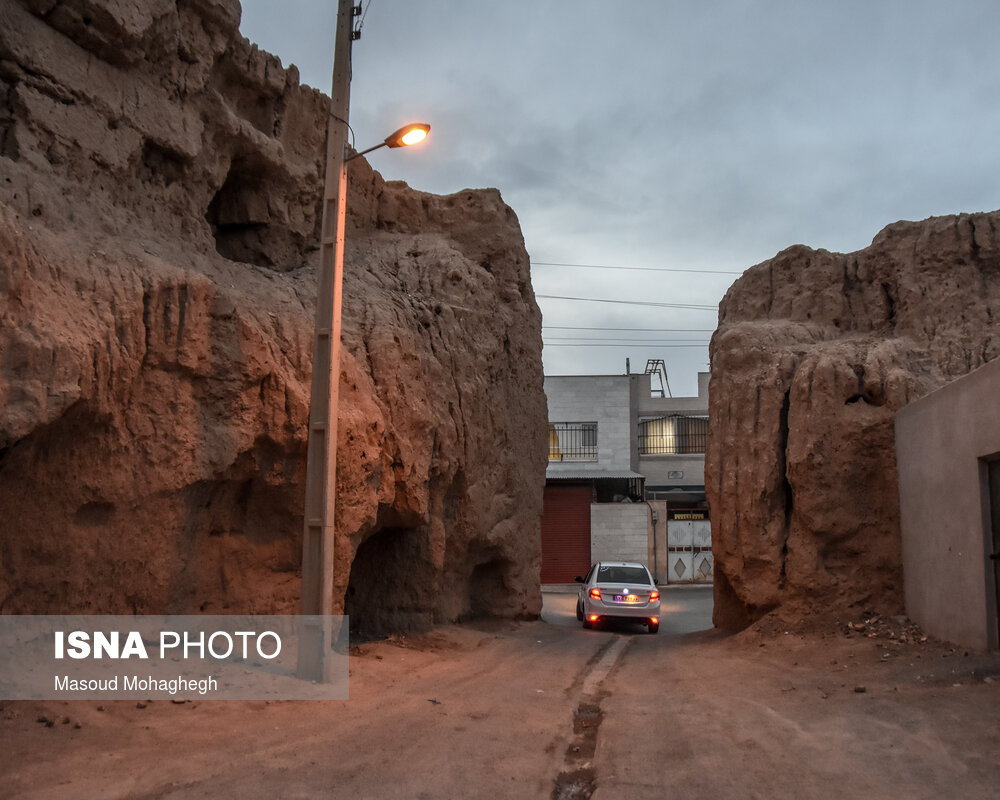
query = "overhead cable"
{"x": 691, "y": 306}
{"x": 609, "y": 339}
{"x": 629, "y": 330}
{"x": 633, "y": 346}
{"x": 638, "y": 269}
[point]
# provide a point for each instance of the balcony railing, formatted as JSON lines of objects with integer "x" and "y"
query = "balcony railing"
{"x": 573, "y": 441}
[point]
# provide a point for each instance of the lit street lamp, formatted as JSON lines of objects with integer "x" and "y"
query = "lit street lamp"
{"x": 321, "y": 461}
{"x": 404, "y": 137}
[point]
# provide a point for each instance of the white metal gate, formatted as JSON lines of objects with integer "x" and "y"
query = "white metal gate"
{"x": 689, "y": 551}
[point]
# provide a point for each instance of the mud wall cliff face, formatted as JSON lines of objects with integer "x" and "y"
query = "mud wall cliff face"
{"x": 160, "y": 183}
{"x": 814, "y": 353}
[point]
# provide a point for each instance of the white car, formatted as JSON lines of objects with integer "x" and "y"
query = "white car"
{"x": 618, "y": 590}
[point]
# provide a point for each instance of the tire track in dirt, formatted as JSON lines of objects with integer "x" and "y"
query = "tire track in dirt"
{"x": 578, "y": 779}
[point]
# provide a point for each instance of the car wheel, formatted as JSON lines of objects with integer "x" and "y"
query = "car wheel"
{"x": 653, "y": 626}
{"x": 579, "y": 610}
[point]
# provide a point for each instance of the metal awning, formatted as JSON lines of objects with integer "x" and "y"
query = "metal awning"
{"x": 593, "y": 474}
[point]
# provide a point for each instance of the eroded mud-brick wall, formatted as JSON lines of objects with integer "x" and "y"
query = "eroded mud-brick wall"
{"x": 814, "y": 354}
{"x": 160, "y": 180}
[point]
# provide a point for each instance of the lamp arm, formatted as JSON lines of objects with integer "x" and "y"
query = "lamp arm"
{"x": 363, "y": 152}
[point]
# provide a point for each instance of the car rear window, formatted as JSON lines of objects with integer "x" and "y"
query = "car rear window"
{"x": 622, "y": 575}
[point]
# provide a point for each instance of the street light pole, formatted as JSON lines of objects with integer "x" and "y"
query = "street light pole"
{"x": 321, "y": 462}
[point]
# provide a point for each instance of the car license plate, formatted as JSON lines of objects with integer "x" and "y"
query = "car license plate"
{"x": 626, "y": 598}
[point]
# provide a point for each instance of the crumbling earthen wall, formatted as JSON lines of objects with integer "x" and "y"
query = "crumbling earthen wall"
{"x": 160, "y": 183}
{"x": 814, "y": 354}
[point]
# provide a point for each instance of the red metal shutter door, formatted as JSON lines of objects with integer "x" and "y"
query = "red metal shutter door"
{"x": 565, "y": 533}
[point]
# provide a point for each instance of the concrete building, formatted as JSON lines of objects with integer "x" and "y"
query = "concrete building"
{"x": 672, "y": 434}
{"x": 626, "y": 477}
{"x": 948, "y": 462}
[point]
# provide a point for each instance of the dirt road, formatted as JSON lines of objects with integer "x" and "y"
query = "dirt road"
{"x": 545, "y": 709}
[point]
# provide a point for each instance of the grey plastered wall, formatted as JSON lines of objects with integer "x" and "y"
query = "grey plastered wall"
{"x": 650, "y": 406}
{"x": 620, "y": 532}
{"x": 943, "y": 442}
{"x": 658, "y": 469}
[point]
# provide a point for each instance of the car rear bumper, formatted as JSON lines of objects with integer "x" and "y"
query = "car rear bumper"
{"x": 620, "y": 610}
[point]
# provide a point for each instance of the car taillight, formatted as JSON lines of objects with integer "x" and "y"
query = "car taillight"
{"x": 654, "y": 596}
{"x": 595, "y": 593}
{"x": 594, "y": 617}
{"x": 655, "y": 620}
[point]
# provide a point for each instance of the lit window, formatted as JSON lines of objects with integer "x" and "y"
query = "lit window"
{"x": 673, "y": 435}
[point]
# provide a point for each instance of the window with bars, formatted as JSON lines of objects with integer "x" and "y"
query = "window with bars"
{"x": 572, "y": 441}
{"x": 673, "y": 435}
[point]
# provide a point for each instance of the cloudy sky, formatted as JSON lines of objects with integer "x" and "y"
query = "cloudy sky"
{"x": 701, "y": 136}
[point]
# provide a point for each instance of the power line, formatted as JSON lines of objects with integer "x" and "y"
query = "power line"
{"x": 630, "y": 330}
{"x": 621, "y": 339}
{"x": 637, "y": 269}
{"x": 630, "y": 302}
{"x": 633, "y": 346}
{"x": 364, "y": 16}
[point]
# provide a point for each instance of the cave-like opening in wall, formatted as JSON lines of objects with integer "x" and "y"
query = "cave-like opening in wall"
{"x": 391, "y": 588}
{"x": 489, "y": 587}
{"x": 249, "y": 217}
{"x": 239, "y": 215}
